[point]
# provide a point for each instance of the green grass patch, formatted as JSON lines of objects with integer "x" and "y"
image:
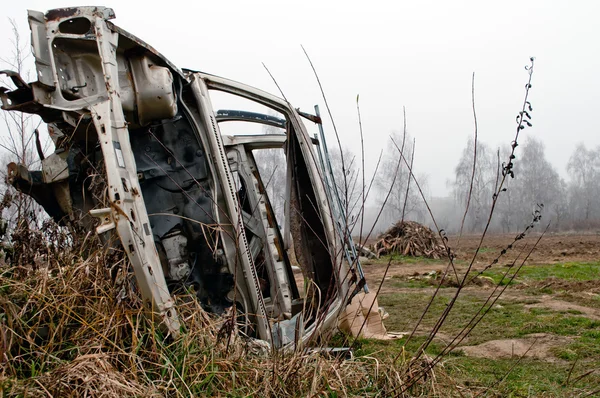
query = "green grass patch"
{"x": 527, "y": 378}
{"x": 411, "y": 283}
{"x": 505, "y": 320}
{"x": 505, "y": 377}
{"x": 569, "y": 271}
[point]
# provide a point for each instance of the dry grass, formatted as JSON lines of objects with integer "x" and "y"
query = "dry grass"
{"x": 72, "y": 324}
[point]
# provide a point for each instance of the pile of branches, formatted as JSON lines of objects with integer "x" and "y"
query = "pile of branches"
{"x": 409, "y": 238}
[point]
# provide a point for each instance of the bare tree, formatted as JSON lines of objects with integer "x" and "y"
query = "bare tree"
{"x": 584, "y": 171}
{"x": 272, "y": 167}
{"x": 404, "y": 202}
{"x": 537, "y": 183}
{"x": 19, "y": 139}
{"x": 483, "y": 183}
{"x": 507, "y": 218}
{"x": 348, "y": 187}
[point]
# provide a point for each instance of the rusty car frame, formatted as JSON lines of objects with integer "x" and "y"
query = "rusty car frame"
{"x": 188, "y": 203}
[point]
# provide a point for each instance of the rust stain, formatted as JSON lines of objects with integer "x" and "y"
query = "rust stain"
{"x": 60, "y": 13}
{"x": 118, "y": 209}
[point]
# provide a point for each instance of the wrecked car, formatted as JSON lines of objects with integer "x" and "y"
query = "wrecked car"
{"x": 189, "y": 204}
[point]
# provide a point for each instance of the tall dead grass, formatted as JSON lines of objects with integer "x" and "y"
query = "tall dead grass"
{"x": 73, "y": 324}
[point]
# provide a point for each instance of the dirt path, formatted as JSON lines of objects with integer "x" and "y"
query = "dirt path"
{"x": 553, "y": 304}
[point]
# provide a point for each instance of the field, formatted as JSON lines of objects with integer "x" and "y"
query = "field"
{"x": 70, "y": 330}
{"x": 540, "y": 338}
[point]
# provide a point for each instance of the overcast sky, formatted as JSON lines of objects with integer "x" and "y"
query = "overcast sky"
{"x": 418, "y": 54}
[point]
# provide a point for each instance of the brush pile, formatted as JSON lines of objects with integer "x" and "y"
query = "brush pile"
{"x": 409, "y": 238}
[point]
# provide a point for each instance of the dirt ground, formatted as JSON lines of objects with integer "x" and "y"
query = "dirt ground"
{"x": 551, "y": 249}
{"x": 535, "y": 345}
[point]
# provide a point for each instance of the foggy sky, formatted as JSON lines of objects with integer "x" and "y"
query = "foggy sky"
{"x": 418, "y": 54}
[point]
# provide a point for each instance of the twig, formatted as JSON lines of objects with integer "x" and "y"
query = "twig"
{"x": 462, "y": 224}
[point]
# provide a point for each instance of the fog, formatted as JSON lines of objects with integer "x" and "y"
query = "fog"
{"x": 418, "y": 55}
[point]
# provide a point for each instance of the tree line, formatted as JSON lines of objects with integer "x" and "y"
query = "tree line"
{"x": 567, "y": 204}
